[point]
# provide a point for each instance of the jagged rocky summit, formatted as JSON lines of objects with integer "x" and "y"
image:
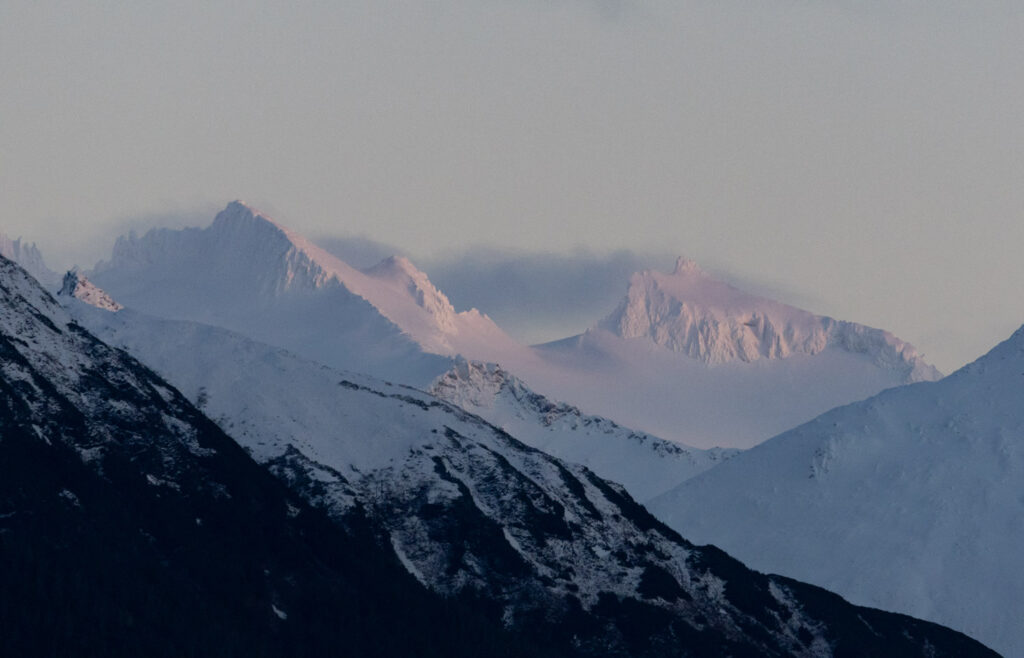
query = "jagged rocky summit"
{"x": 691, "y": 312}
{"x": 690, "y": 358}
{"x": 78, "y": 286}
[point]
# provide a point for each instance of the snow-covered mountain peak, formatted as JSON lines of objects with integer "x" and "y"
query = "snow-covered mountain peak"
{"x": 693, "y": 313}
{"x": 76, "y": 285}
{"x": 242, "y": 249}
{"x": 248, "y": 272}
{"x": 474, "y": 385}
{"x": 247, "y": 222}
{"x": 240, "y": 213}
{"x": 289, "y": 260}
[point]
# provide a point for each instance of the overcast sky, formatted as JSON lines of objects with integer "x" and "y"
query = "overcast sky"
{"x": 868, "y": 153}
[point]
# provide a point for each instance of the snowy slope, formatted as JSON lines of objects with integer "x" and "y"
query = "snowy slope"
{"x": 246, "y": 272}
{"x": 468, "y": 508}
{"x": 909, "y": 501}
{"x": 692, "y": 359}
{"x": 645, "y": 465}
{"x": 130, "y": 525}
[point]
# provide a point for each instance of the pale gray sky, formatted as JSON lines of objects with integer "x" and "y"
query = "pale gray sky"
{"x": 870, "y": 154}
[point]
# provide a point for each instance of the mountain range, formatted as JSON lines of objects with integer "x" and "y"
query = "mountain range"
{"x": 696, "y": 360}
{"x": 152, "y": 532}
{"x": 685, "y": 357}
{"x": 547, "y": 548}
{"x": 503, "y": 477}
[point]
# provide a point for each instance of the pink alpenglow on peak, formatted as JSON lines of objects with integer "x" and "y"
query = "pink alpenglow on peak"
{"x": 693, "y": 313}
{"x": 77, "y": 286}
{"x": 690, "y": 358}
{"x": 402, "y": 277}
{"x": 247, "y": 272}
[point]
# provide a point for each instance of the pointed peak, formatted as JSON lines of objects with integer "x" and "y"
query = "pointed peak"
{"x": 241, "y": 206}
{"x": 238, "y": 211}
{"x": 240, "y": 221}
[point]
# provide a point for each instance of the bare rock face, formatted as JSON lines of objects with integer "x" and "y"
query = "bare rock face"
{"x": 78, "y": 286}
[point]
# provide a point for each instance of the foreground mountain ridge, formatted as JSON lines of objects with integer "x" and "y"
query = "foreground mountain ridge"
{"x": 131, "y": 525}
{"x": 906, "y": 501}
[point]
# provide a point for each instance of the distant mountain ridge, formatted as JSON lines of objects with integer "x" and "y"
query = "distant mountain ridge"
{"x": 691, "y": 312}
{"x": 690, "y": 358}
{"x": 247, "y": 273}
{"x": 256, "y": 256}
{"x": 685, "y": 357}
